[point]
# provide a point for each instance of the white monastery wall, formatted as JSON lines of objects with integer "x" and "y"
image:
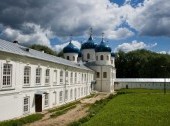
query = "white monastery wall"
{"x": 12, "y": 97}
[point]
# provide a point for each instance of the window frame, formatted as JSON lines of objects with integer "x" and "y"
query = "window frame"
{"x": 46, "y": 100}
{"x": 26, "y": 105}
{"x": 61, "y": 77}
{"x": 38, "y": 76}
{"x": 104, "y": 74}
{"x": 98, "y": 75}
{"x": 60, "y": 96}
{"x": 66, "y": 95}
{"x": 27, "y": 76}
{"x": 55, "y": 77}
{"x": 101, "y": 57}
{"x": 5, "y": 82}
{"x": 88, "y": 55}
{"x": 47, "y": 76}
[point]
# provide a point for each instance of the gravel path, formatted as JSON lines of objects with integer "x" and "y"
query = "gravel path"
{"x": 74, "y": 114}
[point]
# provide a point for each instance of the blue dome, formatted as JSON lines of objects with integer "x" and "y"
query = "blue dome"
{"x": 102, "y": 47}
{"x": 70, "y": 48}
{"x": 89, "y": 44}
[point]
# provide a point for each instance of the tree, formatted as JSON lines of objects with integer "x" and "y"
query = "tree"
{"x": 46, "y": 49}
{"x": 142, "y": 64}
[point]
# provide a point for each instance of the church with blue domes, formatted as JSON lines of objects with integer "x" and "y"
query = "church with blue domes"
{"x": 99, "y": 58}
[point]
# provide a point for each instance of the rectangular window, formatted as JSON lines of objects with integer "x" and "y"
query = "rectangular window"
{"x": 61, "y": 96}
{"x": 82, "y": 91}
{"x": 71, "y": 94}
{"x": 66, "y": 95}
{"x": 61, "y": 76}
{"x": 98, "y": 74}
{"x": 71, "y": 77}
{"x": 75, "y": 79}
{"x": 66, "y": 77}
{"x": 104, "y": 74}
{"x": 47, "y": 76}
{"x": 46, "y": 99}
{"x": 27, "y": 74}
{"x": 7, "y": 75}
{"x": 26, "y": 105}
{"x": 38, "y": 76}
{"x": 55, "y": 77}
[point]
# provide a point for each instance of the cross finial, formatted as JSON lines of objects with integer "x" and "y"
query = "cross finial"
{"x": 102, "y": 36}
{"x": 71, "y": 36}
{"x": 91, "y": 31}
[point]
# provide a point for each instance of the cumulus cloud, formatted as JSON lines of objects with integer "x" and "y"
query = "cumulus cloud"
{"x": 151, "y": 18}
{"x": 59, "y": 47}
{"x": 164, "y": 52}
{"x": 64, "y": 17}
{"x": 134, "y": 45}
{"x": 40, "y": 36}
{"x": 61, "y": 18}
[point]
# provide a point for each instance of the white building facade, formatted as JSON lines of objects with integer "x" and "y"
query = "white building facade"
{"x": 32, "y": 81}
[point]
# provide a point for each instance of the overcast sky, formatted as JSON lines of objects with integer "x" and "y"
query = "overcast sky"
{"x": 127, "y": 24}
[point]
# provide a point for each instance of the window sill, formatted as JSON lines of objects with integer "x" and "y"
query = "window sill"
{"x": 7, "y": 89}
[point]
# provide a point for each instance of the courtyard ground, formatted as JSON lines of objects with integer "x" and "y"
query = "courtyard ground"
{"x": 72, "y": 115}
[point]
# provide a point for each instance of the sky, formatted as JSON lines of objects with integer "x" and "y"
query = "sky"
{"x": 127, "y": 24}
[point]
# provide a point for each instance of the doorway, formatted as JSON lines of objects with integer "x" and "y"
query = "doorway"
{"x": 38, "y": 103}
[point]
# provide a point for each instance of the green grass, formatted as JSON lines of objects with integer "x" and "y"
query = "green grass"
{"x": 22, "y": 121}
{"x": 135, "y": 107}
{"x": 93, "y": 110}
{"x": 142, "y": 91}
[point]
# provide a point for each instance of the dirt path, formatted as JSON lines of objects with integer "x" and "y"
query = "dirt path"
{"x": 72, "y": 115}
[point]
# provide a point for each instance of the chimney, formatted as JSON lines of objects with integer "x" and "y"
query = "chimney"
{"x": 15, "y": 42}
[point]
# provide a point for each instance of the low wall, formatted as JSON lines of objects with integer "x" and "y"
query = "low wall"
{"x": 148, "y": 83}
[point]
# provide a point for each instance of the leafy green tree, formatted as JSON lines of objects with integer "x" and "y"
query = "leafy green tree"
{"x": 46, "y": 49}
{"x": 142, "y": 64}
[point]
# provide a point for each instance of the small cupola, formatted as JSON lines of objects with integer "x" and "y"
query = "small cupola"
{"x": 89, "y": 44}
{"x": 103, "y": 47}
{"x": 71, "y": 52}
{"x": 70, "y": 48}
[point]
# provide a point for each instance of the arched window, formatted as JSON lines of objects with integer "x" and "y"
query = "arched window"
{"x": 101, "y": 57}
{"x": 73, "y": 58}
{"x": 88, "y": 56}
{"x": 96, "y": 57}
{"x": 107, "y": 57}
{"x": 67, "y": 57}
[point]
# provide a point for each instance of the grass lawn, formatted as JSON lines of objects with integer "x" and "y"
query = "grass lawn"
{"x": 137, "y": 107}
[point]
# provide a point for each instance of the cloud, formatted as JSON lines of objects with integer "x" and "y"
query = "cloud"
{"x": 164, "y": 52}
{"x": 59, "y": 47}
{"x": 40, "y": 36}
{"x": 151, "y": 18}
{"x": 32, "y": 21}
{"x": 134, "y": 45}
{"x": 64, "y": 17}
